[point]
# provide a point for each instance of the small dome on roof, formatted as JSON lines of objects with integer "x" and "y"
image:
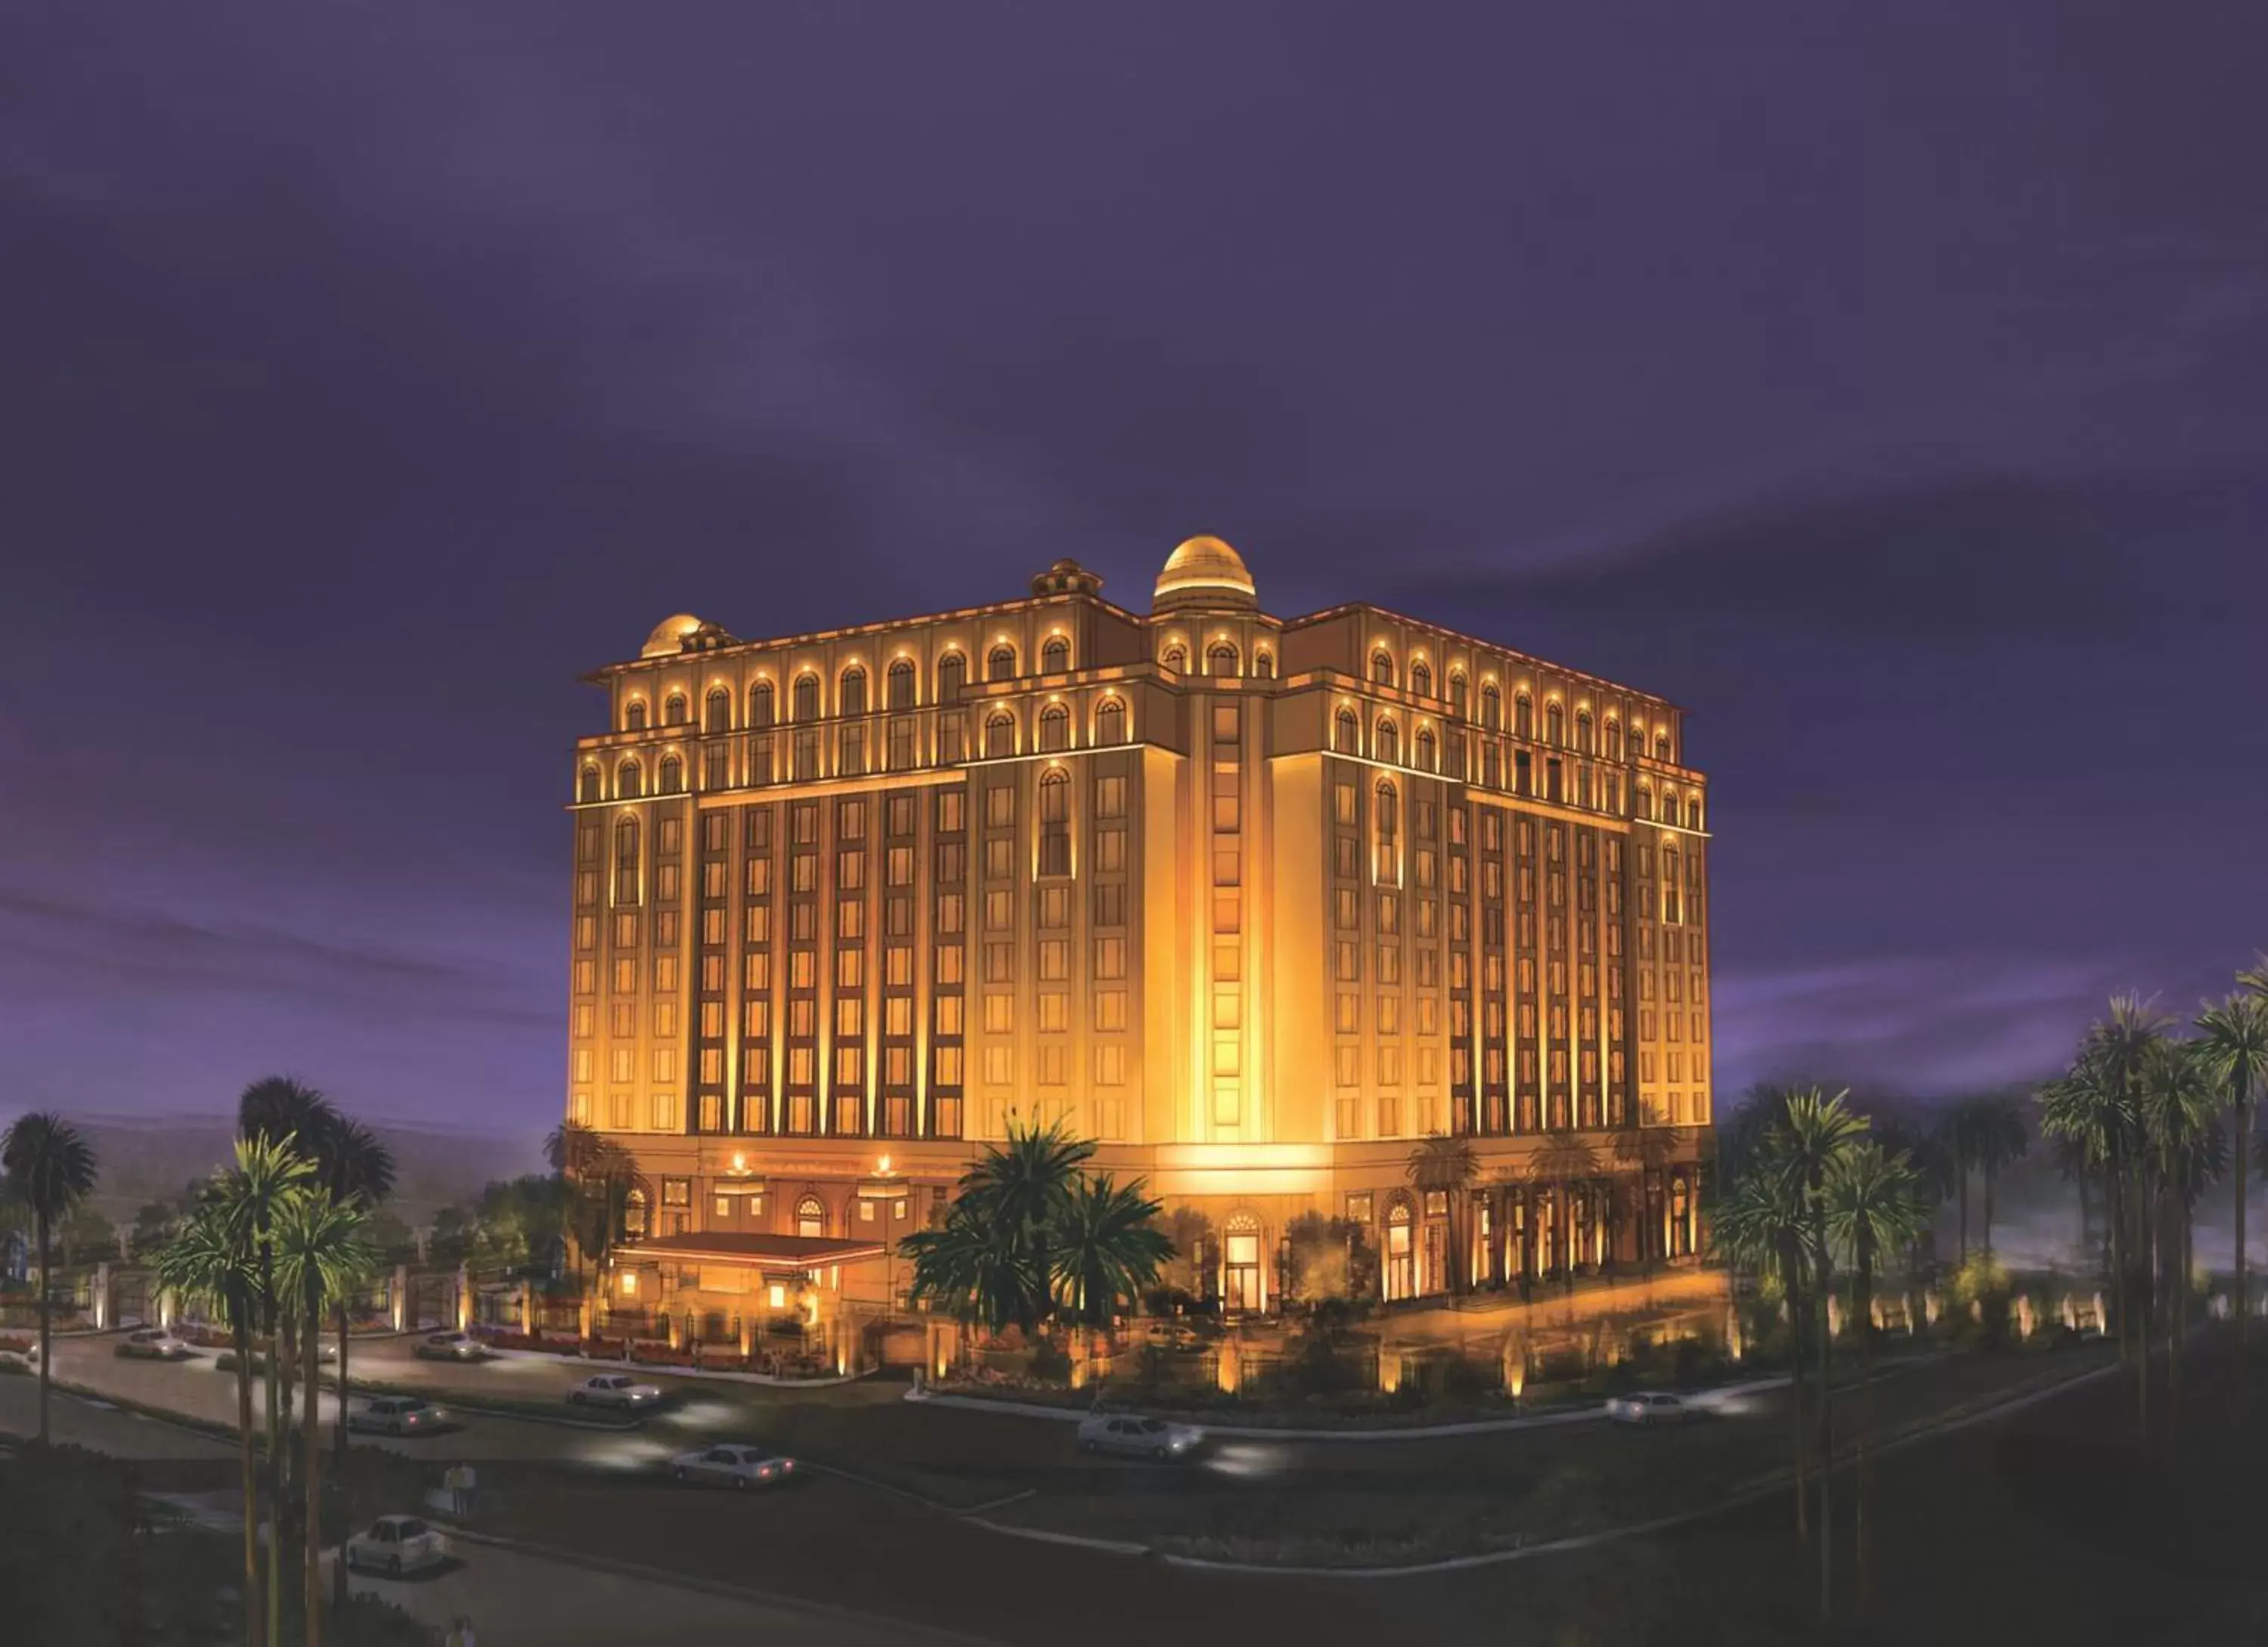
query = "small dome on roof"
{"x": 1204, "y": 572}
{"x": 670, "y": 635}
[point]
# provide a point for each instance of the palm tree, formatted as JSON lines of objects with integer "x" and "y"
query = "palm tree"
{"x": 973, "y": 1268}
{"x": 1108, "y": 1247}
{"x": 2120, "y": 1048}
{"x": 1955, "y": 1140}
{"x": 50, "y": 1169}
{"x": 1758, "y": 1226}
{"x": 2236, "y": 1053}
{"x": 270, "y": 1178}
{"x": 1024, "y": 1185}
{"x": 283, "y": 1108}
{"x": 598, "y": 1177}
{"x": 1998, "y": 1141}
{"x": 320, "y": 1252}
{"x": 356, "y": 1168}
{"x": 1447, "y": 1166}
{"x": 1563, "y": 1159}
{"x": 206, "y": 1261}
{"x": 2178, "y": 1100}
{"x": 1875, "y": 1204}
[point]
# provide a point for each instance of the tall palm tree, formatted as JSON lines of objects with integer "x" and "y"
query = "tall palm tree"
{"x": 1564, "y": 1159}
{"x": 1955, "y": 1140}
{"x": 2235, "y": 1041}
{"x": 269, "y": 1179}
{"x": 2178, "y": 1100}
{"x": 356, "y": 1168}
{"x": 1997, "y": 1142}
{"x": 1108, "y": 1247}
{"x": 973, "y": 1268}
{"x": 285, "y": 1109}
{"x": 207, "y": 1262}
{"x": 321, "y": 1251}
{"x": 2087, "y": 1113}
{"x": 50, "y": 1169}
{"x": 2120, "y": 1047}
{"x": 598, "y": 1175}
{"x": 1758, "y": 1226}
{"x": 1447, "y": 1166}
{"x": 1024, "y": 1185}
{"x": 1875, "y": 1204}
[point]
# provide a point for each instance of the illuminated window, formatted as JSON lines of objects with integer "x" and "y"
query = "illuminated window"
{"x": 1001, "y": 663}
{"x": 634, "y": 715}
{"x": 952, "y": 672}
{"x": 673, "y": 710}
{"x": 810, "y": 1216}
{"x": 591, "y": 785}
{"x": 1221, "y": 659}
{"x": 1555, "y": 723}
{"x": 1177, "y": 660}
{"x": 1425, "y": 752}
{"x": 1110, "y": 722}
{"x": 1347, "y": 733}
{"x": 851, "y": 693}
{"x": 1263, "y": 665}
{"x": 1000, "y": 736}
{"x": 1054, "y": 656}
{"x": 1055, "y": 727}
{"x": 673, "y": 775}
{"x": 1386, "y": 742}
{"x": 804, "y": 701}
{"x": 1492, "y": 706}
{"x": 630, "y": 780}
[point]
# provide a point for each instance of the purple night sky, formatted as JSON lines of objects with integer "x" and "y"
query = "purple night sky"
{"x": 1889, "y": 386}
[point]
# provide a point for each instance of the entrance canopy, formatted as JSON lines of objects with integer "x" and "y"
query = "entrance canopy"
{"x": 771, "y": 1254}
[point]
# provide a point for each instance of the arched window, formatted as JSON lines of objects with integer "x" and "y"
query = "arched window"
{"x": 1662, "y": 746}
{"x": 1346, "y": 733}
{"x": 1110, "y": 722}
{"x": 1243, "y": 1283}
{"x": 673, "y": 775}
{"x": 630, "y": 780}
{"x": 1583, "y": 732}
{"x": 1555, "y": 724}
{"x": 1001, "y": 663}
{"x": 1386, "y": 869}
{"x": 673, "y": 710}
{"x": 1386, "y": 742}
{"x": 851, "y": 693}
{"x": 1263, "y": 665}
{"x": 1381, "y": 666}
{"x": 1458, "y": 697}
{"x": 952, "y": 672}
{"x": 1000, "y": 736}
{"x": 900, "y": 683}
{"x": 1221, "y": 659}
{"x": 811, "y": 1216}
{"x": 1523, "y": 716}
{"x": 760, "y": 704}
{"x": 1401, "y": 1277}
{"x": 1055, "y": 657}
{"x": 626, "y": 861}
{"x": 1425, "y": 750}
{"x": 1693, "y": 812}
{"x": 1421, "y": 679}
{"x": 1055, "y": 727}
{"x": 1613, "y": 739}
{"x": 805, "y": 702}
{"x": 634, "y": 715}
{"x": 633, "y": 1213}
{"x": 592, "y": 785}
{"x": 1176, "y": 659}
{"x": 1642, "y": 802}
{"x": 717, "y": 710}
{"x": 1055, "y": 823}
{"x": 1492, "y": 705}
{"x": 1637, "y": 741}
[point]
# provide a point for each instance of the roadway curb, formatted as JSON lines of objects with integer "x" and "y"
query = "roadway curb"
{"x": 821, "y": 1610}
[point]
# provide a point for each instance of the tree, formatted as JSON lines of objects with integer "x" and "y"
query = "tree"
{"x": 2117, "y": 1054}
{"x": 154, "y": 1224}
{"x": 1107, "y": 1246}
{"x": 1875, "y": 1204}
{"x": 1025, "y": 1185}
{"x": 86, "y": 1231}
{"x": 2178, "y": 1100}
{"x": 209, "y": 1262}
{"x": 1446, "y": 1166}
{"x": 973, "y": 1268}
{"x": 50, "y": 1169}
{"x": 1758, "y": 1226}
{"x": 2236, "y": 1053}
{"x": 320, "y": 1254}
{"x": 355, "y": 1169}
{"x": 268, "y": 1178}
{"x": 598, "y": 1177}
{"x": 1997, "y": 1142}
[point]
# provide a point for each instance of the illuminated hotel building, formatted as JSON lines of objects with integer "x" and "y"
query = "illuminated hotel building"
{"x": 1258, "y": 904}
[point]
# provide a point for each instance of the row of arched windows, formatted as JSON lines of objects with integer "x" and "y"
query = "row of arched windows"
{"x": 1386, "y": 746}
{"x": 1587, "y": 736}
{"x": 1685, "y": 814}
{"x": 1220, "y": 658}
{"x": 899, "y": 690}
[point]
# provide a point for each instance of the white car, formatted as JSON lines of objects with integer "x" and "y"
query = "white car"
{"x": 614, "y": 1389}
{"x": 452, "y": 1346}
{"x": 733, "y": 1465}
{"x": 27, "y": 1357}
{"x": 394, "y": 1415}
{"x": 154, "y": 1343}
{"x": 1654, "y": 1408}
{"x": 1136, "y": 1437}
{"x": 395, "y": 1544}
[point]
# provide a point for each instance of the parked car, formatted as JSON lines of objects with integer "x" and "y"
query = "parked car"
{"x": 451, "y": 1347}
{"x": 614, "y": 1389}
{"x": 394, "y": 1415}
{"x": 733, "y": 1464}
{"x": 154, "y": 1343}
{"x": 1648, "y": 1407}
{"x": 1137, "y": 1436}
{"x": 395, "y": 1544}
{"x": 27, "y": 1357}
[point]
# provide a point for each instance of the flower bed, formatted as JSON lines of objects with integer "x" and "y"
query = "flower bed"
{"x": 495, "y": 1338}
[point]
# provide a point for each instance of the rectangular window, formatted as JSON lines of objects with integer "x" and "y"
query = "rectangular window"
{"x": 950, "y": 803}
{"x": 1110, "y": 797}
{"x": 949, "y": 1014}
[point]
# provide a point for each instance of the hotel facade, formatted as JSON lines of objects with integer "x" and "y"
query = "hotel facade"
{"x": 1259, "y": 904}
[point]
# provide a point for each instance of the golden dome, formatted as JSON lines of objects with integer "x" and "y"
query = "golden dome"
{"x": 1204, "y": 572}
{"x": 669, "y": 636}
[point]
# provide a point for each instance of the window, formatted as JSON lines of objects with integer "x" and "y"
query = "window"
{"x": 1492, "y": 706}
{"x": 1055, "y": 825}
{"x": 1386, "y": 742}
{"x": 804, "y": 703}
{"x": 952, "y": 673}
{"x": 851, "y": 693}
{"x": 1176, "y": 659}
{"x": 1693, "y": 813}
{"x": 1347, "y": 733}
{"x": 1662, "y": 746}
{"x": 1555, "y": 723}
{"x": 1055, "y": 727}
{"x": 630, "y": 780}
{"x": 673, "y": 710}
{"x": 634, "y": 715}
{"x": 1263, "y": 665}
{"x": 1388, "y": 822}
{"x": 1425, "y": 752}
{"x": 1613, "y": 739}
{"x": 1000, "y": 736}
{"x": 717, "y": 710}
{"x": 673, "y": 775}
{"x": 1001, "y": 663}
{"x": 591, "y": 785}
{"x": 1382, "y": 668}
{"x": 1457, "y": 697}
{"x": 760, "y": 704}
{"x": 1221, "y": 659}
{"x": 1110, "y": 722}
{"x": 1054, "y": 656}
{"x": 810, "y": 1216}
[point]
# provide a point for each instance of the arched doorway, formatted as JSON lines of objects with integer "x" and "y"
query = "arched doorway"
{"x": 1401, "y": 1278}
{"x": 811, "y": 1216}
{"x": 1243, "y": 1289}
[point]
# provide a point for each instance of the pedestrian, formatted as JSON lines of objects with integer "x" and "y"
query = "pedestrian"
{"x": 465, "y": 1631}
{"x": 468, "y": 1485}
{"x": 453, "y": 1483}
{"x": 456, "y": 1636}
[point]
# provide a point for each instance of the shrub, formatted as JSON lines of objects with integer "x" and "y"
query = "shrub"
{"x": 1050, "y": 1363}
